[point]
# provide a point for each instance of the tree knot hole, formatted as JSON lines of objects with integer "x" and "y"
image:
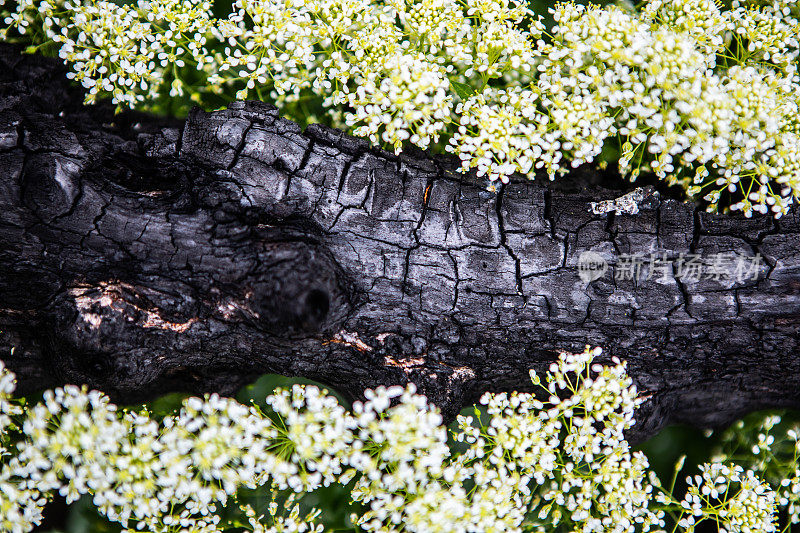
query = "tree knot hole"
{"x": 317, "y": 305}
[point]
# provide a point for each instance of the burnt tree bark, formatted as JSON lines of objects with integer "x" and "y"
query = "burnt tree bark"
{"x": 140, "y": 258}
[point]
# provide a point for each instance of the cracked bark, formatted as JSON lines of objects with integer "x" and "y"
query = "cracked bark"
{"x": 139, "y": 258}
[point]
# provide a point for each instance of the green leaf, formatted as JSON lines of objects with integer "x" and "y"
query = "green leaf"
{"x": 463, "y": 90}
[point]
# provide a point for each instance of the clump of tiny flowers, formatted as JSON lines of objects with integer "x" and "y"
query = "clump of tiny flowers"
{"x": 20, "y": 508}
{"x": 554, "y": 460}
{"x": 569, "y": 447}
{"x": 285, "y": 517}
{"x": 734, "y": 498}
{"x": 700, "y": 96}
{"x": 769, "y": 446}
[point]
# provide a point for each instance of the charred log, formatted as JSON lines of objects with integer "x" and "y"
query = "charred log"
{"x": 140, "y": 256}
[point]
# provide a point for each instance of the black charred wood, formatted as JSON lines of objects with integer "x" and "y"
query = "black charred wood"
{"x": 140, "y": 256}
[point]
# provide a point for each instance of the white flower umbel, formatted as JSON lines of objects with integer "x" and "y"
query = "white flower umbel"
{"x": 284, "y": 517}
{"x": 553, "y": 460}
{"x": 20, "y": 507}
{"x": 734, "y": 498}
{"x": 407, "y": 99}
{"x": 501, "y": 132}
{"x": 701, "y": 96}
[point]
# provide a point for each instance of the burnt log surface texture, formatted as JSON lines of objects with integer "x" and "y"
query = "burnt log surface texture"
{"x": 140, "y": 256}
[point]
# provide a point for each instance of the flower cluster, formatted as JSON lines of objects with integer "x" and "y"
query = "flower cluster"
{"x": 712, "y": 127}
{"x": 735, "y": 499}
{"x": 699, "y": 96}
{"x": 554, "y": 460}
{"x": 769, "y": 446}
{"x": 131, "y": 54}
{"x": 20, "y": 508}
{"x": 571, "y": 445}
{"x": 289, "y": 521}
